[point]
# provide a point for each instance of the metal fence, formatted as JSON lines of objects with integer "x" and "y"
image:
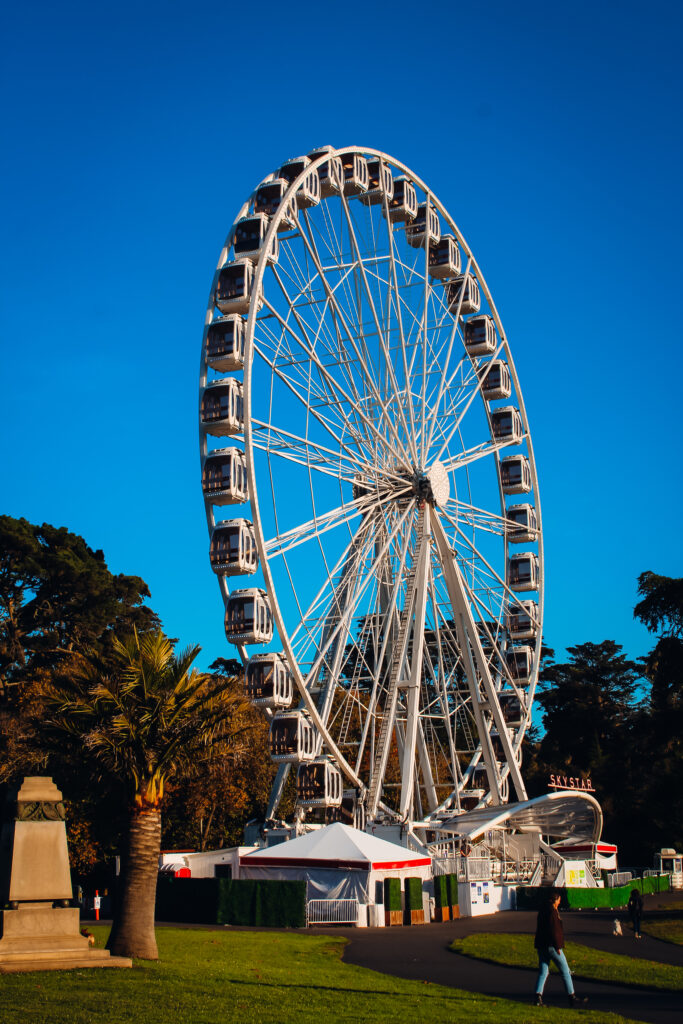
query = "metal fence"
{"x": 617, "y": 878}
{"x": 332, "y": 912}
{"x": 478, "y": 869}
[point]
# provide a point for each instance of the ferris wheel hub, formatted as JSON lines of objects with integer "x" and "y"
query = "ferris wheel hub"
{"x": 433, "y": 486}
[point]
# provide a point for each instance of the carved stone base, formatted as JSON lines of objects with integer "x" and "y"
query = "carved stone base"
{"x": 40, "y": 937}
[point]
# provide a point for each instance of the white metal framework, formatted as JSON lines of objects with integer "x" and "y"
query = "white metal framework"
{"x": 377, "y": 402}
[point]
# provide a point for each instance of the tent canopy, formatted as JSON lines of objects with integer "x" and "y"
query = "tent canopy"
{"x": 565, "y": 814}
{"x": 336, "y": 846}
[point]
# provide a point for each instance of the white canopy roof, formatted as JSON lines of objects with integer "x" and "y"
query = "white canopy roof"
{"x": 336, "y": 846}
{"x": 565, "y": 814}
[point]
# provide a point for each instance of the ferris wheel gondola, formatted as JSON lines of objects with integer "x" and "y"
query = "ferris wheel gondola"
{"x": 381, "y": 426}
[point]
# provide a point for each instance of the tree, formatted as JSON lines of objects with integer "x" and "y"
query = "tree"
{"x": 145, "y": 718}
{"x": 587, "y": 703}
{"x": 661, "y": 734}
{"x": 591, "y": 704}
{"x": 209, "y": 808}
{"x": 57, "y": 599}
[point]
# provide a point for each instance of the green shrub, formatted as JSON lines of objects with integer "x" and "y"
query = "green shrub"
{"x": 413, "y": 890}
{"x": 441, "y": 898}
{"x": 452, "y": 883}
{"x": 392, "y": 893}
{"x": 270, "y": 904}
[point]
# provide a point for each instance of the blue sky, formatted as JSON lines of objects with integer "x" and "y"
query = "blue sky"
{"x": 132, "y": 135}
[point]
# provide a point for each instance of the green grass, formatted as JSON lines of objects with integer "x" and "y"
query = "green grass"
{"x": 670, "y": 929}
{"x": 220, "y": 977}
{"x": 584, "y": 962}
{"x": 673, "y": 905}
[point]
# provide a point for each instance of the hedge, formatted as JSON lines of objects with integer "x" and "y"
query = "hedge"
{"x": 453, "y": 897}
{"x": 270, "y": 904}
{"x": 413, "y": 891}
{"x": 441, "y": 891}
{"x": 533, "y": 897}
{"x": 392, "y": 893}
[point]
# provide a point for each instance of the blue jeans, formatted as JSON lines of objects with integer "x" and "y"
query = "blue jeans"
{"x": 545, "y": 955}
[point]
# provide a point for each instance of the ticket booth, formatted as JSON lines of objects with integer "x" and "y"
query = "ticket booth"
{"x": 668, "y": 862}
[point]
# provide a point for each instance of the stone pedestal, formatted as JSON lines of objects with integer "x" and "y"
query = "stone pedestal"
{"x": 40, "y": 931}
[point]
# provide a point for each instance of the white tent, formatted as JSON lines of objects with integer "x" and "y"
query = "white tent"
{"x": 337, "y": 862}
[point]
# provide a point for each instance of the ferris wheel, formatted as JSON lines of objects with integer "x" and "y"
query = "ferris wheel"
{"x": 383, "y": 577}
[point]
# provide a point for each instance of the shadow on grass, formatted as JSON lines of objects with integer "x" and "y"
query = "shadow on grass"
{"x": 460, "y": 996}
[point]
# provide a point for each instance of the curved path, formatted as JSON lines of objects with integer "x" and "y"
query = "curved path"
{"x": 422, "y": 953}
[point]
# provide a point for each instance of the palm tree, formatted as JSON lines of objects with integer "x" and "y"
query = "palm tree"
{"x": 150, "y": 719}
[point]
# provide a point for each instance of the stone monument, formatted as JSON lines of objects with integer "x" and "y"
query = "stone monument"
{"x": 39, "y": 929}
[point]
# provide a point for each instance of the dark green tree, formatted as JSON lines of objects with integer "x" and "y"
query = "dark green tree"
{"x": 661, "y": 732}
{"x": 58, "y": 600}
{"x": 591, "y": 705}
{"x": 588, "y": 703}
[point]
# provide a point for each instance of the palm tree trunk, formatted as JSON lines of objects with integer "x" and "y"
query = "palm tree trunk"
{"x": 132, "y": 933}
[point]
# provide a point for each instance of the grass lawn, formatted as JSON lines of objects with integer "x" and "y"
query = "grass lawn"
{"x": 211, "y": 977}
{"x": 668, "y": 928}
{"x": 585, "y": 962}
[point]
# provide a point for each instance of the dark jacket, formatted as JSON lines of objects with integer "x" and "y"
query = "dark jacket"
{"x": 549, "y": 931}
{"x": 635, "y": 904}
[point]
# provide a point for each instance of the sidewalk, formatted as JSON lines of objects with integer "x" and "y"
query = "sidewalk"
{"x": 422, "y": 953}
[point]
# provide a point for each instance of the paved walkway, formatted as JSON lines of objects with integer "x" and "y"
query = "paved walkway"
{"x": 422, "y": 953}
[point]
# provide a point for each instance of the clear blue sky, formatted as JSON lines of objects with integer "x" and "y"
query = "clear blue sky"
{"x": 132, "y": 134}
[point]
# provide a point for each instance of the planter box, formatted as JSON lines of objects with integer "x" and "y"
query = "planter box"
{"x": 455, "y": 913}
{"x": 415, "y": 917}
{"x": 393, "y": 917}
{"x": 442, "y": 913}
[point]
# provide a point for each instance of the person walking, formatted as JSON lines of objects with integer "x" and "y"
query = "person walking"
{"x": 635, "y": 911}
{"x": 549, "y": 943}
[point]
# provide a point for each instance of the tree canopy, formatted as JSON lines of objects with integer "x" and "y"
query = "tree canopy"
{"x": 58, "y": 599}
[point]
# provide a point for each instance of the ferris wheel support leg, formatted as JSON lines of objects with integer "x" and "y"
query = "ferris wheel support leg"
{"x": 426, "y": 769}
{"x": 343, "y": 606}
{"x": 463, "y": 614}
{"x": 276, "y": 791}
{"x": 414, "y": 681}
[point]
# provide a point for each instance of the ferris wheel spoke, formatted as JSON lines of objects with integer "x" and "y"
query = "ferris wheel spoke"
{"x": 439, "y": 674}
{"x": 388, "y": 612}
{"x": 388, "y": 364}
{"x": 509, "y": 594}
{"x": 479, "y": 676}
{"x": 320, "y": 524}
{"x": 363, "y": 358}
{"x": 369, "y": 576}
{"x": 322, "y": 334}
{"x": 337, "y": 391}
{"x": 505, "y": 671}
{"x": 396, "y": 303}
{"x": 284, "y": 443}
{"x": 446, "y": 363}
{"x": 480, "y": 451}
{"x": 329, "y": 426}
{"x": 312, "y": 620}
{"x": 477, "y": 517}
{"x": 328, "y": 386}
{"x": 476, "y": 390}
{"x": 333, "y": 297}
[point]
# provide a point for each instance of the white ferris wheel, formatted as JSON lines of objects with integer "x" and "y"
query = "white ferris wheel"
{"x": 359, "y": 401}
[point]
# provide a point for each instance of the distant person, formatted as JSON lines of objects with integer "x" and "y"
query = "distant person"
{"x": 549, "y": 943}
{"x": 635, "y": 911}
